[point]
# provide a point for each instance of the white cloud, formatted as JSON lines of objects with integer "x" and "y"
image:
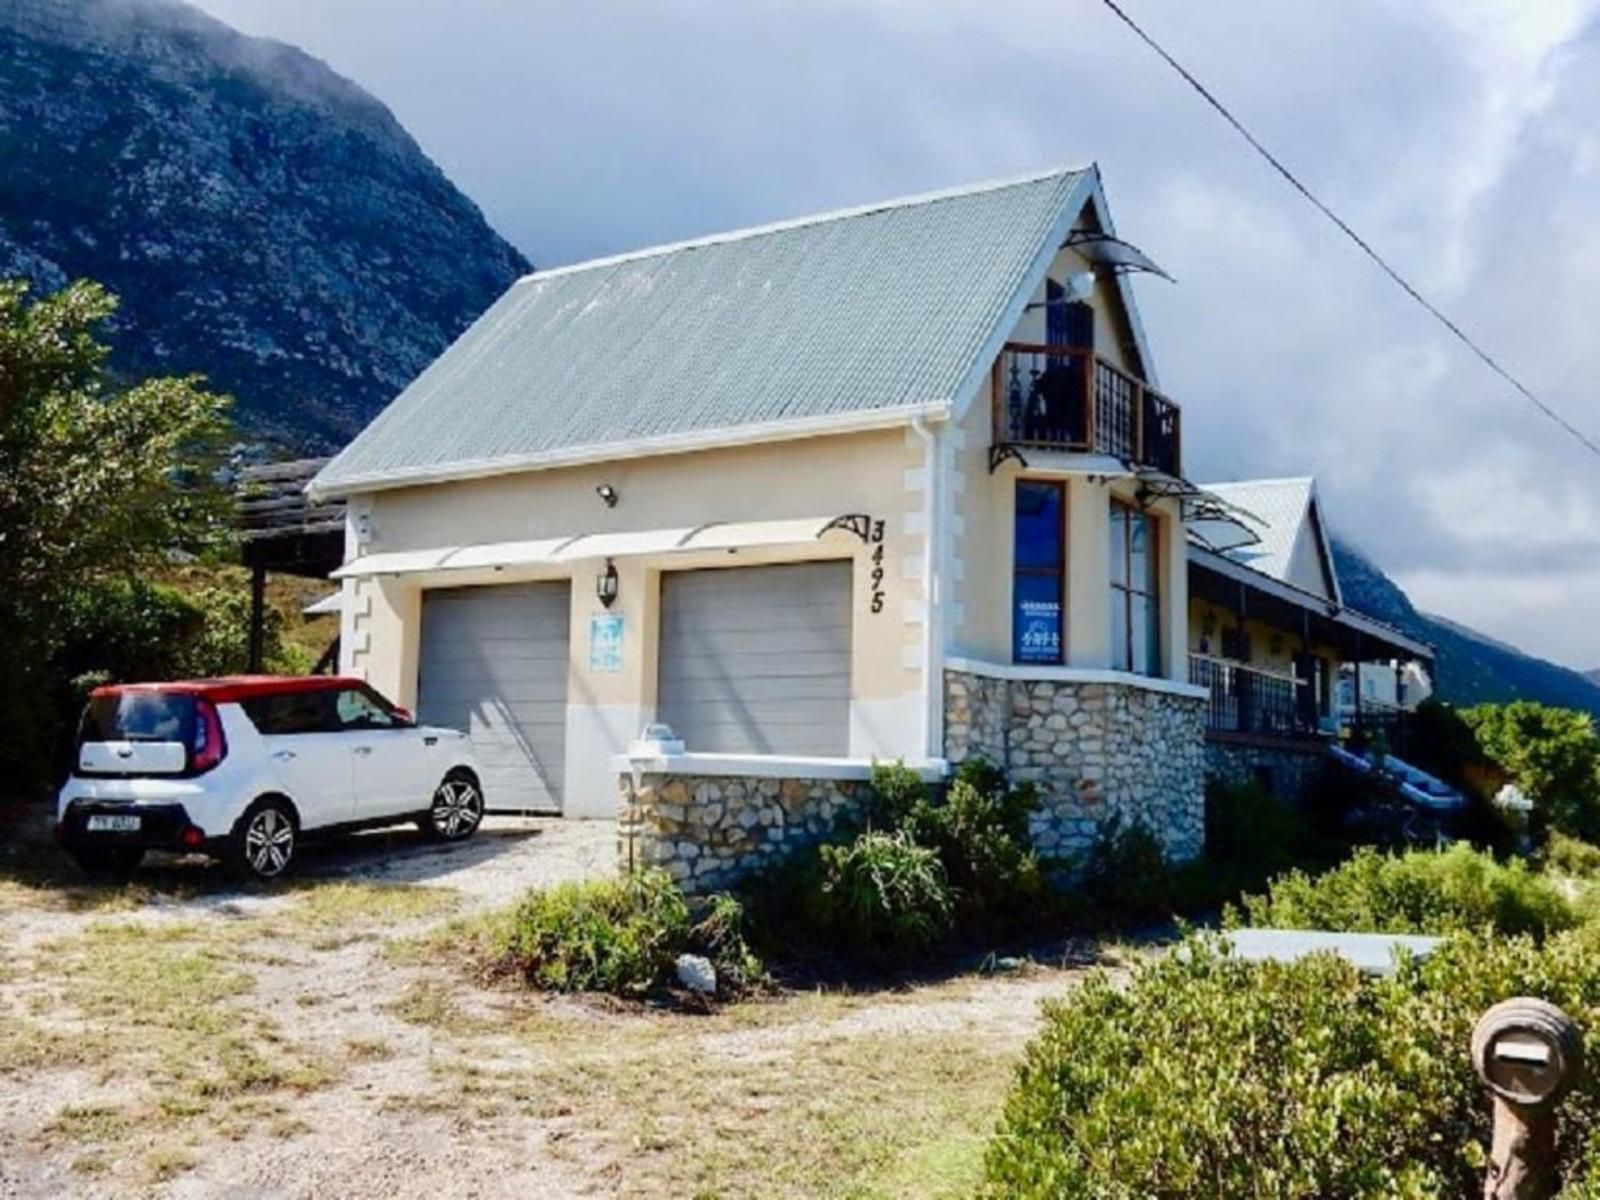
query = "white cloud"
{"x": 1457, "y": 134}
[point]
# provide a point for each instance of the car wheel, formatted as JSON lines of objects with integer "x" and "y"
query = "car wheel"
{"x": 109, "y": 865}
{"x": 457, "y": 808}
{"x": 263, "y": 841}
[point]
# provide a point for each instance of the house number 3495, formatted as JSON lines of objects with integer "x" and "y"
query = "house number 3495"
{"x": 876, "y": 542}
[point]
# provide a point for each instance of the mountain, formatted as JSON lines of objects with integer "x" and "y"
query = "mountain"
{"x": 265, "y": 222}
{"x": 1471, "y": 668}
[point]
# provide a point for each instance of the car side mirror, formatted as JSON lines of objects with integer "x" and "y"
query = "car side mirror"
{"x": 403, "y": 715}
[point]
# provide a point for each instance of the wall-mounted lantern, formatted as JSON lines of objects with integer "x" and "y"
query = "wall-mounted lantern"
{"x": 605, "y": 584}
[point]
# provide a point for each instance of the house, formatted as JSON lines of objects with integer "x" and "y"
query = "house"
{"x": 1272, "y": 640}
{"x": 706, "y": 529}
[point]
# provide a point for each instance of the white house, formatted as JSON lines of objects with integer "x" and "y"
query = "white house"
{"x": 894, "y": 482}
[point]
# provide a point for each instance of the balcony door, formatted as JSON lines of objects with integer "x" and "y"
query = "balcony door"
{"x": 1058, "y": 407}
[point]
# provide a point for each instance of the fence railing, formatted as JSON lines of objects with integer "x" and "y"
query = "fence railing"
{"x": 1246, "y": 700}
{"x": 1068, "y": 398}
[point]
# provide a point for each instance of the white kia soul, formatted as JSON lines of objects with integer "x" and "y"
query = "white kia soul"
{"x": 244, "y": 768}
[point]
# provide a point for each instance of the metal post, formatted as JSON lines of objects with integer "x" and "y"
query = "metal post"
{"x": 258, "y": 617}
{"x": 1529, "y": 1053}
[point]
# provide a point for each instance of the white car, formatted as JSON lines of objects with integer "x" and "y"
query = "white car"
{"x": 244, "y": 768}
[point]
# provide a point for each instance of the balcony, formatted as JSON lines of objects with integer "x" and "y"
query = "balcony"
{"x": 1065, "y": 398}
{"x": 1250, "y": 701}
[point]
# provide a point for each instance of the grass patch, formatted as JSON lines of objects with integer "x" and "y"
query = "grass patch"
{"x": 342, "y": 906}
{"x": 896, "y": 1113}
{"x": 90, "y": 1123}
{"x": 163, "y": 1005}
{"x": 426, "y": 1004}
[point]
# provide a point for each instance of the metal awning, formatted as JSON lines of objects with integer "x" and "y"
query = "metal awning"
{"x": 329, "y": 605}
{"x": 720, "y": 535}
{"x": 1106, "y": 251}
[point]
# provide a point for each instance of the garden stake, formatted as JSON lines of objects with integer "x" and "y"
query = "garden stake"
{"x": 1529, "y": 1054}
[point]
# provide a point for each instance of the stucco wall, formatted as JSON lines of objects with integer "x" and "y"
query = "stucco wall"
{"x": 880, "y": 473}
{"x": 1095, "y": 749}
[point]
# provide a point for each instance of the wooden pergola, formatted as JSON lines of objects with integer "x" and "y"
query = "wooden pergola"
{"x": 281, "y": 529}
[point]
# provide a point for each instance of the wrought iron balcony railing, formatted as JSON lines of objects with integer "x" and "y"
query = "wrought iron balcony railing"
{"x": 1065, "y": 398}
{"x": 1247, "y": 700}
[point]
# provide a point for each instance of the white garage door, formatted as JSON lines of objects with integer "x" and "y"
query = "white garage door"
{"x": 494, "y": 663}
{"x": 756, "y": 660}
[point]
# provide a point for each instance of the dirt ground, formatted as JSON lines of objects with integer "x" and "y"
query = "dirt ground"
{"x": 182, "y": 1038}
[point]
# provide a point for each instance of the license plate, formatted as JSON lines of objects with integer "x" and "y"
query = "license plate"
{"x": 104, "y": 823}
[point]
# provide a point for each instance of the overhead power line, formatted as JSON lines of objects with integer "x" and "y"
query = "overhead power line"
{"x": 1344, "y": 227}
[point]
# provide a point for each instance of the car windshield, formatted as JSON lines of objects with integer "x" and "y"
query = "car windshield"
{"x": 138, "y": 717}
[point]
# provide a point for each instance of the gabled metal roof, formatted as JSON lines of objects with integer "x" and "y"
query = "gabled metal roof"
{"x": 1288, "y": 517}
{"x": 842, "y": 320}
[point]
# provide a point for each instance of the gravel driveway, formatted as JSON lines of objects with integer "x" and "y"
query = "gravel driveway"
{"x": 185, "y": 1038}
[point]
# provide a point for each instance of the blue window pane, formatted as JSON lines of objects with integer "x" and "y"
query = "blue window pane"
{"x": 1036, "y": 619}
{"x": 1038, "y": 525}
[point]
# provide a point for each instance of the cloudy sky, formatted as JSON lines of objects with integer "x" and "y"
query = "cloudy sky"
{"x": 1461, "y": 136}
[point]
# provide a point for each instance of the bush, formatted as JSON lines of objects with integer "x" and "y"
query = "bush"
{"x": 881, "y": 891}
{"x": 893, "y": 791}
{"x": 621, "y": 936}
{"x": 1251, "y": 836}
{"x": 1207, "y": 1076}
{"x": 1127, "y": 878}
{"x": 980, "y": 832}
{"x": 1422, "y": 891}
{"x": 1565, "y": 855}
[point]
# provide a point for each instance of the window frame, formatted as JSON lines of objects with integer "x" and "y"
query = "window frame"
{"x": 1056, "y": 573}
{"x": 1126, "y": 592}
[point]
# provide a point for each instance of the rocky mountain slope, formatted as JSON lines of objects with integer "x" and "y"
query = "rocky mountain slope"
{"x": 1472, "y": 668}
{"x": 265, "y": 221}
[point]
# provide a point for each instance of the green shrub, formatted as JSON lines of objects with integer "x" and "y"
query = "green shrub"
{"x": 1251, "y": 836}
{"x": 980, "y": 832}
{"x": 1127, "y": 878}
{"x": 1565, "y": 855}
{"x": 622, "y": 936}
{"x": 1207, "y": 1076}
{"x": 882, "y": 891}
{"x": 893, "y": 790}
{"x": 1422, "y": 891}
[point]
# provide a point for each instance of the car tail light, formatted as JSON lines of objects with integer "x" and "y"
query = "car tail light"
{"x": 192, "y": 837}
{"x": 209, "y": 747}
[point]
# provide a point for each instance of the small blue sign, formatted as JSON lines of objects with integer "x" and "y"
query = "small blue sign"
{"x": 605, "y": 643}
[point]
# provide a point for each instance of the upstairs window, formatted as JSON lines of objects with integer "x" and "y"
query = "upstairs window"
{"x": 1038, "y": 569}
{"x": 1135, "y": 602}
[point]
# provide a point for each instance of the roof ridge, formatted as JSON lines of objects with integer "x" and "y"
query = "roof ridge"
{"x": 1275, "y": 480}
{"x": 836, "y": 214}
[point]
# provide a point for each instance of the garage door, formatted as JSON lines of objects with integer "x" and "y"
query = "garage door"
{"x": 494, "y": 663}
{"x": 756, "y": 660}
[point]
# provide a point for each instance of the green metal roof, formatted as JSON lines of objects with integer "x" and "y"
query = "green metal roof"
{"x": 848, "y": 317}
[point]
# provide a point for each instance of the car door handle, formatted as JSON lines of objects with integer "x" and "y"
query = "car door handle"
{"x": 363, "y": 750}
{"x": 283, "y": 755}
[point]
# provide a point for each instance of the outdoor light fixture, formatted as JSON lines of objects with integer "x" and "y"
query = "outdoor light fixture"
{"x": 605, "y": 584}
{"x": 607, "y": 493}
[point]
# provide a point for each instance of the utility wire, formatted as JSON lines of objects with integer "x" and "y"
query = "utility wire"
{"x": 1344, "y": 227}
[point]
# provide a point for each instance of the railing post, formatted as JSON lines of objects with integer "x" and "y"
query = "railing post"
{"x": 1138, "y": 424}
{"x": 1091, "y": 365}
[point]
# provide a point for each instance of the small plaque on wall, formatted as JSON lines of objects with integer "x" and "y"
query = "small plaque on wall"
{"x": 605, "y": 643}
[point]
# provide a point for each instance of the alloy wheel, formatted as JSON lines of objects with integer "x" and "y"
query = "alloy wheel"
{"x": 269, "y": 842}
{"x": 457, "y": 808}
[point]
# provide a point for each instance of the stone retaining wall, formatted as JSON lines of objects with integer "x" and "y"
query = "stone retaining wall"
{"x": 1289, "y": 772}
{"x": 708, "y": 832}
{"x": 1094, "y": 750}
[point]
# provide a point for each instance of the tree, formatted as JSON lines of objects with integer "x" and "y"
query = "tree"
{"x": 100, "y": 479}
{"x": 1552, "y": 754}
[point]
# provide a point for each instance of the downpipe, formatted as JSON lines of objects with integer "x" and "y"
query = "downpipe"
{"x": 932, "y": 578}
